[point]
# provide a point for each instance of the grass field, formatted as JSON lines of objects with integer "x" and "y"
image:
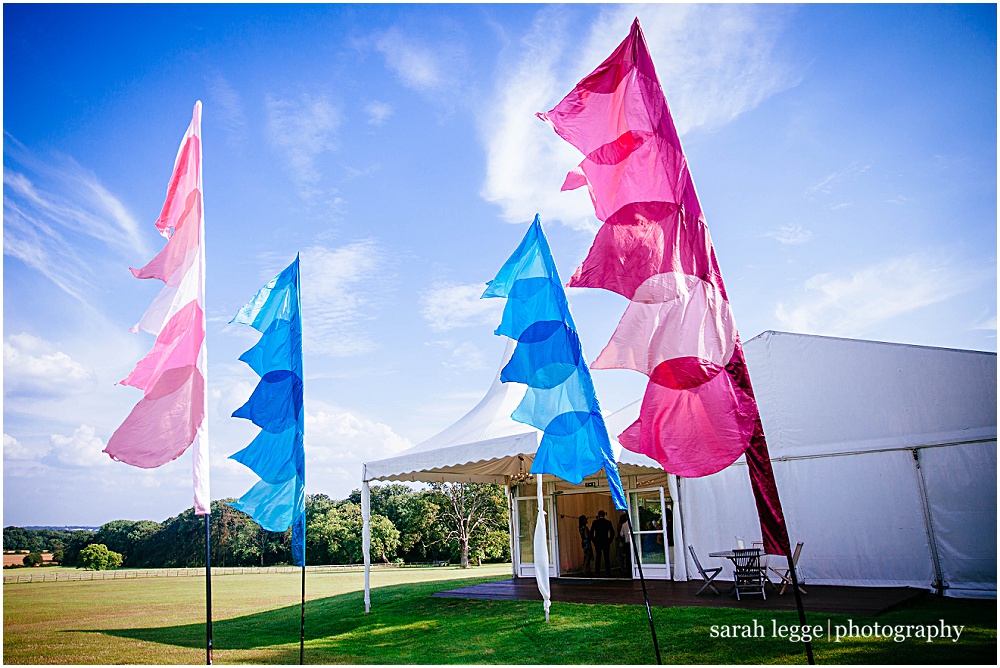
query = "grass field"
{"x": 256, "y": 620}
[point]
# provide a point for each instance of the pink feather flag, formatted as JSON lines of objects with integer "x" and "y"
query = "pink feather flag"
{"x": 171, "y": 416}
{"x": 698, "y": 414}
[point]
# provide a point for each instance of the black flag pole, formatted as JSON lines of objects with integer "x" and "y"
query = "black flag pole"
{"x": 208, "y": 590}
{"x": 302, "y": 622}
{"x": 645, "y": 596}
{"x": 798, "y": 604}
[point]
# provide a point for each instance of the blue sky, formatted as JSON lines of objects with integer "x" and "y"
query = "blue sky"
{"x": 845, "y": 156}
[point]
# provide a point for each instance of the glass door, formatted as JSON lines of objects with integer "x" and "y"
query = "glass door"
{"x": 647, "y": 513}
{"x": 527, "y": 514}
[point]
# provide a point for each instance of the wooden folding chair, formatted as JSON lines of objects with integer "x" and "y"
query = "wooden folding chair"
{"x": 707, "y": 576}
{"x": 764, "y": 559}
{"x": 747, "y": 577}
{"x": 786, "y": 574}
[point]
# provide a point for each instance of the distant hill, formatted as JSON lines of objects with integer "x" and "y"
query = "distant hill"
{"x": 62, "y": 528}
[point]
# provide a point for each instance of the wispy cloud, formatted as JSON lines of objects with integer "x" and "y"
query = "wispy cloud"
{"x": 435, "y": 69}
{"x": 851, "y": 304}
{"x": 303, "y": 129}
{"x": 790, "y": 235}
{"x": 466, "y": 357}
{"x": 449, "y": 306}
{"x": 714, "y": 62}
{"x": 347, "y": 286}
{"x": 828, "y": 183}
{"x": 986, "y": 321}
{"x": 33, "y": 368}
{"x": 228, "y": 109}
{"x": 55, "y": 212}
{"x": 378, "y": 112}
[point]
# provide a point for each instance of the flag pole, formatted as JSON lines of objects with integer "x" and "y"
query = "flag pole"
{"x": 208, "y": 590}
{"x": 645, "y": 596}
{"x": 798, "y": 604}
{"x": 302, "y": 623}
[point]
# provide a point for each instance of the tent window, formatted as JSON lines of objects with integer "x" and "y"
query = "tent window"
{"x": 650, "y": 526}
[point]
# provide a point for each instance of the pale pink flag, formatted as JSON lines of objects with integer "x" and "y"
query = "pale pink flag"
{"x": 698, "y": 414}
{"x": 171, "y": 416}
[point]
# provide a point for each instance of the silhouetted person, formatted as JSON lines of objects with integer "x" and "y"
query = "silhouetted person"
{"x": 603, "y": 533}
{"x": 624, "y": 542}
{"x": 588, "y": 550}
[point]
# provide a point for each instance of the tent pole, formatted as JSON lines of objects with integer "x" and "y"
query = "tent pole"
{"x": 208, "y": 590}
{"x": 302, "y": 623}
{"x": 645, "y": 596}
{"x": 928, "y": 524}
{"x": 366, "y": 511}
{"x": 798, "y": 604}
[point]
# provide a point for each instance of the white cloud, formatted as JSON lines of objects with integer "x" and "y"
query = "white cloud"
{"x": 466, "y": 357}
{"x": 303, "y": 129}
{"x": 435, "y": 70}
{"x": 14, "y": 450}
{"x": 228, "y": 110}
{"x": 52, "y": 210}
{"x": 450, "y": 306}
{"x": 828, "y": 183}
{"x": 790, "y": 235}
{"x": 338, "y": 442}
{"x": 80, "y": 449}
{"x": 346, "y": 285}
{"x": 32, "y": 367}
{"x": 714, "y": 62}
{"x": 852, "y": 304}
{"x": 334, "y": 434}
{"x": 378, "y": 112}
{"x": 986, "y": 322}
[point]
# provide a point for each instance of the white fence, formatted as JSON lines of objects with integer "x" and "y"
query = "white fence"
{"x": 51, "y": 575}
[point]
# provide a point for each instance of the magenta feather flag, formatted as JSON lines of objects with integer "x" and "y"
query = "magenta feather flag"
{"x": 171, "y": 416}
{"x": 698, "y": 413}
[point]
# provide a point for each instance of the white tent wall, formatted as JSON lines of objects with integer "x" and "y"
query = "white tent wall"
{"x": 820, "y": 395}
{"x": 962, "y": 499}
{"x": 873, "y": 539}
{"x": 846, "y": 423}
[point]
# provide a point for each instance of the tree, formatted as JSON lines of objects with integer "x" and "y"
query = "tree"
{"x": 32, "y": 559}
{"x": 18, "y": 539}
{"x": 334, "y": 537}
{"x": 469, "y": 511}
{"x": 413, "y": 514}
{"x": 58, "y": 556}
{"x": 125, "y": 536}
{"x": 97, "y": 557}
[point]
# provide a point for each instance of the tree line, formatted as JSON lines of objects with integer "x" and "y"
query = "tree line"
{"x": 452, "y": 522}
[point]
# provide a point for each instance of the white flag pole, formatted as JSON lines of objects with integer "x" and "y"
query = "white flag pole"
{"x": 542, "y": 551}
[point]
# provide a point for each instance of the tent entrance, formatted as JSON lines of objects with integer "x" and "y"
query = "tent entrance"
{"x": 650, "y": 510}
{"x": 570, "y": 506}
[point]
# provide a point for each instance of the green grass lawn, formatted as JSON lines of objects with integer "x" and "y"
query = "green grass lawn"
{"x": 256, "y": 620}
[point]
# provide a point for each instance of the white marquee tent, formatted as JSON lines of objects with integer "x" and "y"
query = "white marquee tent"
{"x": 884, "y": 455}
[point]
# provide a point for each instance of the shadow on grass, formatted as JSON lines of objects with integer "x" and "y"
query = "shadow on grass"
{"x": 326, "y": 618}
{"x": 484, "y": 632}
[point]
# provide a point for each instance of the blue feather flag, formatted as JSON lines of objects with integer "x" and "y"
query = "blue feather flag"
{"x": 560, "y": 399}
{"x": 277, "y": 454}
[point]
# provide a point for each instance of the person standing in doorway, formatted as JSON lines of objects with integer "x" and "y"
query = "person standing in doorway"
{"x": 603, "y": 532}
{"x": 585, "y": 543}
{"x": 625, "y": 545}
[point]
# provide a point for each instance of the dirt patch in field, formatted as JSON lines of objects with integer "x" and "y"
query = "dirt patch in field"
{"x": 9, "y": 559}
